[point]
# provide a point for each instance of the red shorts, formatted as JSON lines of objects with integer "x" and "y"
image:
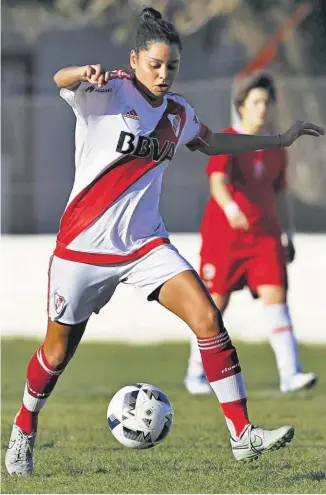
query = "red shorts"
{"x": 246, "y": 259}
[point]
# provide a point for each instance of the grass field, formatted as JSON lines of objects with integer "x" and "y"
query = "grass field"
{"x": 76, "y": 453}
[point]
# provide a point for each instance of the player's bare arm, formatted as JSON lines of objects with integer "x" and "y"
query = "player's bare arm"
{"x": 72, "y": 76}
{"x": 220, "y": 193}
{"x": 225, "y": 143}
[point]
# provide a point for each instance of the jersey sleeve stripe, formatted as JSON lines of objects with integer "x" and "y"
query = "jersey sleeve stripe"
{"x": 119, "y": 74}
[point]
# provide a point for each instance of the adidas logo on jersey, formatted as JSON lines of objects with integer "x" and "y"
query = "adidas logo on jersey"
{"x": 131, "y": 114}
{"x": 90, "y": 89}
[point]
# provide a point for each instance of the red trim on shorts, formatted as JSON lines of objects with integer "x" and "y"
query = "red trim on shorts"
{"x": 49, "y": 273}
{"x": 107, "y": 259}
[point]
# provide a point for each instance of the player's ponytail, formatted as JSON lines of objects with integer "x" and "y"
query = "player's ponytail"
{"x": 153, "y": 28}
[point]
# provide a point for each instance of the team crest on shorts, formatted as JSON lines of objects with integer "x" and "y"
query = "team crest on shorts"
{"x": 59, "y": 302}
{"x": 175, "y": 122}
{"x": 209, "y": 271}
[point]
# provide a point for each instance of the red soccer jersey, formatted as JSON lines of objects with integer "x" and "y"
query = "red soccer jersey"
{"x": 253, "y": 179}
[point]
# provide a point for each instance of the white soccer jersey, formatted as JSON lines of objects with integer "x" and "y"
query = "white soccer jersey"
{"x": 124, "y": 143}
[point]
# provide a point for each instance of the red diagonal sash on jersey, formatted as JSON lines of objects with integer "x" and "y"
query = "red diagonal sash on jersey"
{"x": 98, "y": 196}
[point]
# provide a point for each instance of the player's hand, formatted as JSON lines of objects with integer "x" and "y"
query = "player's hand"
{"x": 289, "y": 251}
{"x": 300, "y": 128}
{"x": 239, "y": 221}
{"x": 96, "y": 74}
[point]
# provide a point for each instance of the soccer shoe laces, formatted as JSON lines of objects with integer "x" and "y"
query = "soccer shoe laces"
{"x": 23, "y": 446}
{"x": 253, "y": 438}
{"x": 251, "y": 444}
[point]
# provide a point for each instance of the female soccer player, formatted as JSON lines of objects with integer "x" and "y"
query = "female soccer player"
{"x": 128, "y": 128}
{"x": 247, "y": 192}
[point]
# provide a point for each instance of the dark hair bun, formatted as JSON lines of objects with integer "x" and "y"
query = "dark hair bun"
{"x": 150, "y": 14}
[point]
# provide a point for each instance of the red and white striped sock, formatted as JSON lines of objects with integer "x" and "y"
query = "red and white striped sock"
{"x": 222, "y": 368}
{"x": 40, "y": 382}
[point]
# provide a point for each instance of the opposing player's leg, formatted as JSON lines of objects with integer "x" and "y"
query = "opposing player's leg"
{"x": 268, "y": 277}
{"x": 283, "y": 340}
{"x": 195, "y": 379}
{"x": 43, "y": 371}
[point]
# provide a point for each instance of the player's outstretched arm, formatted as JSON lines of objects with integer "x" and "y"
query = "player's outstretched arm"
{"x": 72, "y": 76}
{"x": 226, "y": 143}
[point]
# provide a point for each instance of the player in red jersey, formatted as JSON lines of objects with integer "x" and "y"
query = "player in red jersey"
{"x": 127, "y": 131}
{"x": 241, "y": 231}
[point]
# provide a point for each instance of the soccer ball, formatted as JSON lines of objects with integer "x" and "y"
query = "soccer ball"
{"x": 140, "y": 416}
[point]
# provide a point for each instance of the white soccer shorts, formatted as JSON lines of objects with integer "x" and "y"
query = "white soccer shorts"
{"x": 76, "y": 290}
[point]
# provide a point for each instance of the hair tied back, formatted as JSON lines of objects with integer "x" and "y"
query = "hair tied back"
{"x": 150, "y": 14}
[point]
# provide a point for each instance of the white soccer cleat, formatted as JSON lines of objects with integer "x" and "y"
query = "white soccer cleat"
{"x": 19, "y": 455}
{"x": 255, "y": 441}
{"x": 297, "y": 382}
{"x": 197, "y": 384}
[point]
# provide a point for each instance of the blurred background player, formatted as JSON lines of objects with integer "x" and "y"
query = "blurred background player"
{"x": 247, "y": 233}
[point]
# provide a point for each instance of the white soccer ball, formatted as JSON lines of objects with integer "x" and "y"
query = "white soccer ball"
{"x": 140, "y": 416}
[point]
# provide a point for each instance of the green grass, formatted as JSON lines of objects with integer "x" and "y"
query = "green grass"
{"x": 76, "y": 453}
